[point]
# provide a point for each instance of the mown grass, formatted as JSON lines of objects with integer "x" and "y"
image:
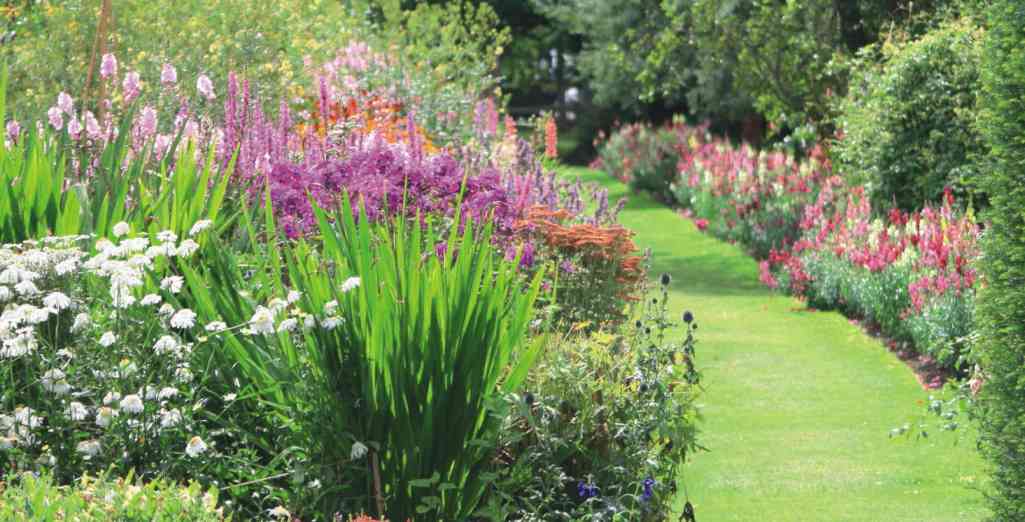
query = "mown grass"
{"x": 798, "y": 404}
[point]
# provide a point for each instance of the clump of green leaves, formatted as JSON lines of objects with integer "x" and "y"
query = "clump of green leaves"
{"x": 29, "y": 497}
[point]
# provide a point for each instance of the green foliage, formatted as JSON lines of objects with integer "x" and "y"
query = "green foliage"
{"x": 265, "y": 40}
{"x": 909, "y": 120}
{"x": 1001, "y": 308}
{"x": 33, "y": 202}
{"x": 607, "y": 411}
{"x": 398, "y": 344}
{"x": 31, "y": 498}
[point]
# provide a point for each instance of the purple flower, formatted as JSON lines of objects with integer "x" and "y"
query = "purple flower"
{"x": 108, "y": 67}
{"x": 74, "y": 128}
{"x": 205, "y": 87}
{"x": 649, "y": 489}
{"x": 586, "y": 490}
{"x": 65, "y": 103}
{"x": 56, "y": 120}
{"x": 13, "y": 130}
{"x": 168, "y": 75}
{"x": 130, "y": 86}
{"x": 92, "y": 127}
{"x": 147, "y": 122}
{"x": 567, "y": 266}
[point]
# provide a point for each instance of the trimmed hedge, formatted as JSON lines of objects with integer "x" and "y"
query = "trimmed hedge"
{"x": 1001, "y": 308}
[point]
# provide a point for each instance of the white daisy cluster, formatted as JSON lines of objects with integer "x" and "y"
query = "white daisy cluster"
{"x": 118, "y": 371}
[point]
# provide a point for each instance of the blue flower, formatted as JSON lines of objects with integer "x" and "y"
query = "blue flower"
{"x": 649, "y": 489}
{"x": 586, "y": 490}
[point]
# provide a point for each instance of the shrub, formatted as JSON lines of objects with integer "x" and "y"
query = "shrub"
{"x": 387, "y": 335}
{"x": 1001, "y": 308}
{"x": 597, "y": 269}
{"x": 29, "y": 497}
{"x": 908, "y": 122}
{"x": 603, "y": 426}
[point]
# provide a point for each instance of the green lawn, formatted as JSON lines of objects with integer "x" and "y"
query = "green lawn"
{"x": 797, "y": 404}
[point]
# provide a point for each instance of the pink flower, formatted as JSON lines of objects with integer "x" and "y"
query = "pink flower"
{"x": 108, "y": 67}
{"x": 168, "y": 75}
{"x": 92, "y": 127}
{"x": 56, "y": 120}
{"x": 701, "y": 223}
{"x": 205, "y": 87}
{"x": 74, "y": 128}
{"x": 13, "y": 130}
{"x": 65, "y": 103}
{"x": 131, "y": 86}
{"x": 148, "y": 122}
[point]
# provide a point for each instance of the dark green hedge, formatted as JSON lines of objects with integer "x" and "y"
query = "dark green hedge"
{"x": 1002, "y": 300}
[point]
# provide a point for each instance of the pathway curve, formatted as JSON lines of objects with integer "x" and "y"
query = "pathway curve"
{"x": 798, "y": 405}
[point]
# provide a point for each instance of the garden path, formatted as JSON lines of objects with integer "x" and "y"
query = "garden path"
{"x": 798, "y": 404}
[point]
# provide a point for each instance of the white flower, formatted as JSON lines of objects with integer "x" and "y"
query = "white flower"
{"x": 183, "y": 375}
{"x": 183, "y": 319}
{"x": 331, "y": 323}
{"x": 309, "y": 321}
{"x": 359, "y": 450}
{"x": 132, "y": 404}
{"x": 293, "y": 296}
{"x": 167, "y": 393}
{"x": 315, "y": 484}
{"x": 135, "y": 244}
{"x": 105, "y": 416}
{"x": 150, "y": 299}
{"x": 25, "y": 417}
{"x": 170, "y": 418}
{"x": 81, "y": 322}
{"x": 187, "y": 248}
{"x": 230, "y": 397}
{"x": 53, "y": 381}
{"x": 172, "y": 284}
{"x": 166, "y": 309}
{"x": 5, "y": 294}
{"x": 7, "y": 442}
{"x": 279, "y": 512}
{"x": 288, "y": 325}
{"x": 167, "y": 236}
{"x": 66, "y": 267}
{"x": 89, "y": 448}
{"x": 111, "y": 397}
{"x": 330, "y": 307}
{"x": 200, "y": 226}
{"x": 77, "y": 411}
{"x": 350, "y": 284}
{"x": 107, "y": 339}
{"x": 57, "y": 301}
{"x": 262, "y": 321}
{"x": 37, "y": 315}
{"x": 121, "y": 229}
{"x": 277, "y": 304}
{"x": 216, "y": 326}
{"x": 195, "y": 447}
{"x": 26, "y": 288}
{"x": 10, "y": 276}
{"x": 166, "y": 344}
